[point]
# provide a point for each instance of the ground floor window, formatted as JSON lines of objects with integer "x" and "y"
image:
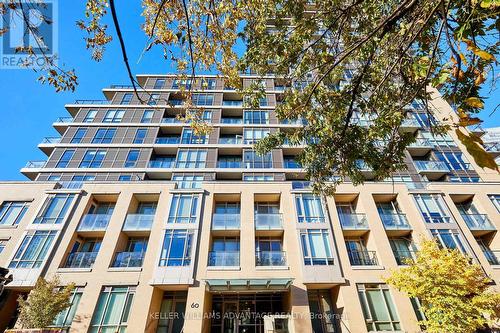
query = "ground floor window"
{"x": 322, "y": 313}
{"x": 112, "y": 310}
{"x": 65, "y": 318}
{"x": 171, "y": 319}
{"x": 378, "y": 308}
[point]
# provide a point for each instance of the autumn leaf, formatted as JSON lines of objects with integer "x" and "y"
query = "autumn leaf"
{"x": 474, "y": 102}
{"x": 474, "y": 147}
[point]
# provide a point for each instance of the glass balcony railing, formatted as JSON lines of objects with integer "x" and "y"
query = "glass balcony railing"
{"x": 172, "y": 120}
{"x": 168, "y": 141}
{"x": 363, "y": 166}
{"x": 50, "y": 140}
{"x": 35, "y": 164}
{"x": 224, "y": 258}
{"x": 92, "y": 101}
{"x": 138, "y": 222}
{"x": 395, "y": 221}
{"x": 80, "y": 260}
{"x": 71, "y": 184}
{"x": 363, "y": 258}
{"x": 353, "y": 221}
{"x": 410, "y": 122}
{"x": 299, "y": 121}
{"x": 493, "y": 257}
{"x": 229, "y": 164}
{"x": 161, "y": 164}
{"x": 437, "y": 166}
{"x": 175, "y": 102}
{"x": 404, "y": 256}
{"x": 64, "y": 120}
{"x": 292, "y": 164}
{"x": 232, "y": 103}
{"x": 226, "y": 221}
{"x": 231, "y": 120}
{"x": 270, "y": 258}
{"x": 268, "y": 221}
{"x": 128, "y": 259}
{"x": 94, "y": 222}
{"x": 237, "y": 140}
{"x": 478, "y": 221}
{"x": 492, "y": 147}
{"x": 421, "y": 142}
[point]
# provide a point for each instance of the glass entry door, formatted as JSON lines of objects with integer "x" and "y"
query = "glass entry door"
{"x": 230, "y": 323}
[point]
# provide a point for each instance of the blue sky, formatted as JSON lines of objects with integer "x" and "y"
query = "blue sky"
{"x": 28, "y": 108}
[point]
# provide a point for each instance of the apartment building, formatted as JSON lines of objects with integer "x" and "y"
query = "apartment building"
{"x": 165, "y": 231}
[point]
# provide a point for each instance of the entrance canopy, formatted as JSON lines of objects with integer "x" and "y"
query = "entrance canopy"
{"x": 248, "y": 284}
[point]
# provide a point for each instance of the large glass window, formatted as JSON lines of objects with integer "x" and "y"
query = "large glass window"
{"x": 153, "y": 99}
{"x": 203, "y": 99}
{"x": 176, "y": 249}
{"x": 432, "y": 208}
{"x": 208, "y": 83}
{"x": 104, "y": 135}
{"x": 454, "y": 161}
{"x": 256, "y": 117}
{"x": 92, "y": 159}
{"x": 132, "y": 157}
{"x": 54, "y": 209}
{"x": 79, "y": 134}
{"x": 188, "y": 137}
{"x": 309, "y": 208}
{"x": 12, "y": 212}
{"x": 252, "y": 135}
{"x": 252, "y": 160}
{"x": 126, "y": 99}
{"x": 184, "y": 84}
{"x": 316, "y": 247}
{"x": 65, "y": 158}
{"x": 33, "y": 249}
{"x": 65, "y": 318}
{"x": 173, "y": 307}
{"x": 140, "y": 135}
{"x": 90, "y": 116}
{"x": 3, "y": 244}
{"x": 450, "y": 239}
{"x": 147, "y": 116}
{"x": 191, "y": 158}
{"x": 184, "y": 208}
{"x": 495, "y": 200}
{"x": 112, "y": 310}
{"x": 225, "y": 252}
{"x": 159, "y": 84}
{"x": 378, "y": 308}
{"x": 188, "y": 181}
{"x": 113, "y": 116}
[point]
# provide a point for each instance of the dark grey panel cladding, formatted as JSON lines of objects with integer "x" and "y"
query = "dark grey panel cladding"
{"x": 211, "y": 158}
{"x": 216, "y": 115}
{"x": 277, "y": 158}
{"x": 68, "y": 134}
{"x": 213, "y": 138}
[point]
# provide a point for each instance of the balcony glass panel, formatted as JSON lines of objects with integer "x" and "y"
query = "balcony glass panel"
{"x": 94, "y": 222}
{"x": 268, "y": 221}
{"x": 128, "y": 259}
{"x": 232, "y": 103}
{"x": 431, "y": 166}
{"x": 168, "y": 140}
{"x": 478, "y": 221}
{"x": 225, "y": 221}
{"x": 167, "y": 163}
{"x": 270, "y": 258}
{"x": 138, "y": 222}
{"x": 80, "y": 260}
{"x": 493, "y": 257}
{"x": 353, "y": 221}
{"x": 394, "y": 221}
{"x": 404, "y": 256}
{"x": 224, "y": 258}
{"x": 363, "y": 258}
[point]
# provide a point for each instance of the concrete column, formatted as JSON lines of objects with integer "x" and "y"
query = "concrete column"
{"x": 195, "y": 310}
{"x": 299, "y": 306}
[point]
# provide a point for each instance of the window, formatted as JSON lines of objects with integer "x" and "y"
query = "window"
{"x": 65, "y": 318}
{"x": 309, "y": 208}
{"x": 188, "y": 181}
{"x": 258, "y": 177}
{"x": 176, "y": 249}
{"x": 90, "y": 116}
{"x": 254, "y": 161}
{"x": 444, "y": 140}
{"x": 65, "y": 158}
{"x": 188, "y": 137}
{"x": 54, "y": 209}
{"x": 252, "y": 135}
{"x": 225, "y": 252}
{"x": 316, "y": 247}
{"x": 184, "y": 208}
{"x": 11, "y": 212}
{"x": 454, "y": 161}
{"x": 229, "y": 161}
{"x": 256, "y": 117}
{"x": 140, "y": 135}
{"x": 125, "y": 178}
{"x": 104, "y": 135}
{"x": 159, "y": 84}
{"x": 3, "y": 244}
{"x": 495, "y": 200}
{"x": 131, "y": 160}
{"x": 358, "y": 254}
{"x": 450, "y": 239}
{"x": 126, "y": 99}
{"x": 153, "y": 99}
{"x": 466, "y": 179}
{"x": 403, "y": 250}
{"x": 113, "y": 116}
{"x": 184, "y": 84}
{"x": 203, "y": 99}
{"x": 432, "y": 208}
{"x": 33, "y": 249}
{"x": 173, "y": 307}
{"x": 378, "y": 308}
{"x": 112, "y": 310}
{"x": 79, "y": 134}
{"x": 191, "y": 158}
{"x": 424, "y": 119}
{"x": 147, "y": 116}
{"x": 92, "y": 159}
{"x": 208, "y": 83}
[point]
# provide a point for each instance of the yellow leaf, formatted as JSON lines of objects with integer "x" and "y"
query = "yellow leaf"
{"x": 474, "y": 102}
{"x": 484, "y": 55}
{"x": 473, "y": 145}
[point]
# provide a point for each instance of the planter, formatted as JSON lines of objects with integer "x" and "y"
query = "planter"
{"x": 37, "y": 330}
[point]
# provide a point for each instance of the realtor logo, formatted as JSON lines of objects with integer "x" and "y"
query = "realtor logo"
{"x": 28, "y": 34}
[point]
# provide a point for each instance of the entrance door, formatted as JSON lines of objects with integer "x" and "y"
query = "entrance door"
{"x": 230, "y": 323}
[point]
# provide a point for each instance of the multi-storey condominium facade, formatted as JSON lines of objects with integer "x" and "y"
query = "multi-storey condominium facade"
{"x": 165, "y": 231}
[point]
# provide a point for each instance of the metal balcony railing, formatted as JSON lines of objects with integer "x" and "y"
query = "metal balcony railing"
{"x": 232, "y": 103}
{"x": 268, "y": 221}
{"x": 363, "y": 258}
{"x": 49, "y": 140}
{"x": 395, "y": 221}
{"x": 121, "y": 86}
{"x": 292, "y": 164}
{"x": 128, "y": 259}
{"x": 171, "y": 140}
{"x": 161, "y": 164}
{"x": 353, "y": 221}
{"x": 138, "y": 222}
{"x": 94, "y": 222}
{"x": 477, "y": 221}
{"x": 431, "y": 166}
{"x": 64, "y": 120}
{"x": 224, "y": 258}
{"x": 492, "y": 147}
{"x": 175, "y": 102}
{"x": 226, "y": 221}
{"x": 35, "y": 164}
{"x": 270, "y": 258}
{"x": 403, "y": 257}
{"x": 80, "y": 260}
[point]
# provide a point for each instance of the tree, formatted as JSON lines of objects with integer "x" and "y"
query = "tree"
{"x": 455, "y": 295}
{"x": 45, "y": 301}
{"x": 340, "y": 61}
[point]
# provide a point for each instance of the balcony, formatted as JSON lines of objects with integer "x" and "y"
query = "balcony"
{"x": 128, "y": 259}
{"x": 236, "y": 140}
{"x": 354, "y": 224}
{"x": 420, "y": 147}
{"x": 226, "y": 221}
{"x": 174, "y": 102}
{"x": 478, "y": 223}
{"x": 493, "y": 257}
{"x": 138, "y": 222}
{"x": 166, "y": 164}
{"x": 409, "y": 125}
{"x": 229, "y": 164}
{"x": 50, "y": 140}
{"x": 232, "y": 103}
{"x": 168, "y": 140}
{"x": 80, "y": 260}
{"x": 395, "y": 222}
{"x": 172, "y": 120}
{"x": 35, "y": 164}
{"x": 433, "y": 170}
{"x": 231, "y": 120}
{"x": 94, "y": 222}
{"x": 226, "y": 258}
{"x": 292, "y": 164}
{"x": 268, "y": 221}
{"x": 64, "y": 120}
{"x": 92, "y": 101}
{"x": 403, "y": 257}
{"x": 270, "y": 258}
{"x": 492, "y": 148}
{"x": 299, "y": 121}
{"x": 363, "y": 258}
{"x": 365, "y": 169}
